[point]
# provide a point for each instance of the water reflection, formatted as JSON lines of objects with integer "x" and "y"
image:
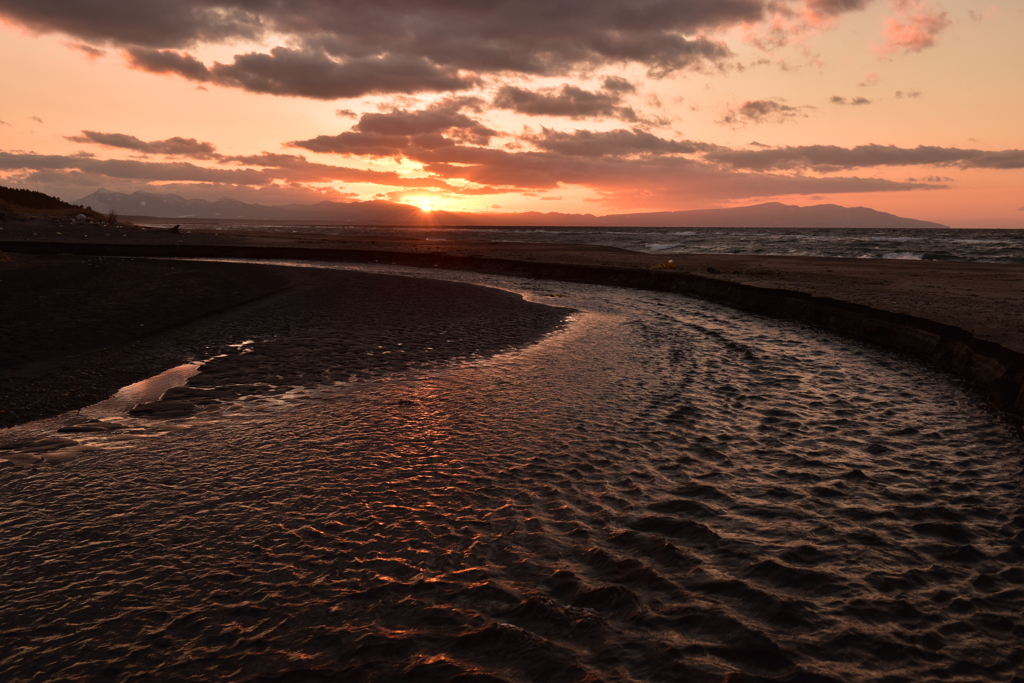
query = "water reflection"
{"x": 663, "y": 491}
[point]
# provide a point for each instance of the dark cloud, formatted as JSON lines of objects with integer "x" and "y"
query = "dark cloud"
{"x": 615, "y": 143}
{"x": 169, "y": 61}
{"x": 4, "y": 123}
{"x": 346, "y": 48}
{"x": 262, "y": 170}
{"x": 175, "y": 146}
{"x": 761, "y": 111}
{"x": 623, "y": 163}
{"x": 297, "y": 169}
{"x": 305, "y": 73}
{"x": 673, "y": 178}
{"x": 835, "y": 7}
{"x": 400, "y": 131}
{"x": 154, "y": 23}
{"x": 88, "y": 50}
{"x": 134, "y": 169}
{"x": 36, "y": 119}
{"x": 856, "y": 101}
{"x": 571, "y": 101}
{"x": 826, "y": 158}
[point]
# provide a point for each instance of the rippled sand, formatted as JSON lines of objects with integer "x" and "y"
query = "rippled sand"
{"x": 662, "y": 491}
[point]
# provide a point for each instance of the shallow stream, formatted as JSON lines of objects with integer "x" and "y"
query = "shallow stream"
{"x": 664, "y": 490}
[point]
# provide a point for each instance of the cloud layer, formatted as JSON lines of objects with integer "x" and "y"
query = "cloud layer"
{"x": 348, "y": 48}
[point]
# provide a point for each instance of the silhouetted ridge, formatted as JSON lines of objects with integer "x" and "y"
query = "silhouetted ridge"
{"x": 30, "y": 199}
{"x": 768, "y": 215}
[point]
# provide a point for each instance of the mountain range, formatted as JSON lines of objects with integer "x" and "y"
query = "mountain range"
{"x": 768, "y": 215}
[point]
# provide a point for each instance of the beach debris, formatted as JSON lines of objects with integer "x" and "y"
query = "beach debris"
{"x": 714, "y": 271}
{"x": 556, "y": 296}
{"x": 81, "y": 218}
{"x": 668, "y": 264}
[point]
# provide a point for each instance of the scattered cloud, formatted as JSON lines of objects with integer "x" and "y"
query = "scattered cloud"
{"x": 910, "y": 94}
{"x": 829, "y": 158}
{"x": 88, "y": 50}
{"x": 36, "y": 119}
{"x": 570, "y": 101}
{"x": 913, "y": 28}
{"x": 4, "y": 123}
{"x": 263, "y": 170}
{"x": 346, "y": 113}
{"x": 761, "y": 111}
{"x": 551, "y": 199}
{"x": 402, "y": 132}
{"x": 856, "y": 101}
{"x": 870, "y": 80}
{"x": 792, "y": 21}
{"x": 175, "y": 146}
{"x": 615, "y": 143}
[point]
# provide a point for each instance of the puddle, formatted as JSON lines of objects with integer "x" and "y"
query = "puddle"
{"x": 104, "y": 421}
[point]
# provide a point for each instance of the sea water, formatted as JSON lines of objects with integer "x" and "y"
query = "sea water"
{"x": 992, "y": 246}
{"x": 662, "y": 490}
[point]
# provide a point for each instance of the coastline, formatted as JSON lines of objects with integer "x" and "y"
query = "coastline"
{"x": 967, "y": 318}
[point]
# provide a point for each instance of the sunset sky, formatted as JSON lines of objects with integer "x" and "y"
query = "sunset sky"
{"x": 597, "y": 106}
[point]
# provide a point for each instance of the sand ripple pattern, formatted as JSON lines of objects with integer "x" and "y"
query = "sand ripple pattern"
{"x": 663, "y": 491}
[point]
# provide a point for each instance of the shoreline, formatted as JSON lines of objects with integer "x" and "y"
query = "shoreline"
{"x": 966, "y": 318}
{"x": 102, "y": 330}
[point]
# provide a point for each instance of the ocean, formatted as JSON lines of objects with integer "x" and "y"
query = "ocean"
{"x": 661, "y": 490}
{"x": 991, "y": 246}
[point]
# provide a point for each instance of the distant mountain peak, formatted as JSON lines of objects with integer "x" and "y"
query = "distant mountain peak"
{"x": 378, "y": 212}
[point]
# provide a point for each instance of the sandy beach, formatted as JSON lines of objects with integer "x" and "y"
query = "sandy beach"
{"x": 667, "y": 489}
{"x": 100, "y": 330}
{"x": 77, "y": 329}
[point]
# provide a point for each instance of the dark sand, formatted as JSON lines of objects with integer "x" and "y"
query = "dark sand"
{"x": 984, "y": 299}
{"x": 77, "y": 329}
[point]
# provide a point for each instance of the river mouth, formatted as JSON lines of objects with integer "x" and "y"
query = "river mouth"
{"x": 662, "y": 490}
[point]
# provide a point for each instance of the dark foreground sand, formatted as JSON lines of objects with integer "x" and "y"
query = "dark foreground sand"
{"x": 77, "y": 329}
{"x": 984, "y": 299}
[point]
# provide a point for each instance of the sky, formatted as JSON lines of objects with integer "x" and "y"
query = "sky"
{"x": 576, "y": 106}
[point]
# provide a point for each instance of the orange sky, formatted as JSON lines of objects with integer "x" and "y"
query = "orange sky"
{"x": 906, "y": 106}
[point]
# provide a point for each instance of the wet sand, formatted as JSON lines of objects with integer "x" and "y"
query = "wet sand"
{"x": 77, "y": 329}
{"x": 986, "y": 300}
{"x": 99, "y": 330}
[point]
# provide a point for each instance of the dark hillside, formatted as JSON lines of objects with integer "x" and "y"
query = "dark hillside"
{"x": 19, "y": 201}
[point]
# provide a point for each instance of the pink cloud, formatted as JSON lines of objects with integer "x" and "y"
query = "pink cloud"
{"x": 792, "y": 21}
{"x": 913, "y": 28}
